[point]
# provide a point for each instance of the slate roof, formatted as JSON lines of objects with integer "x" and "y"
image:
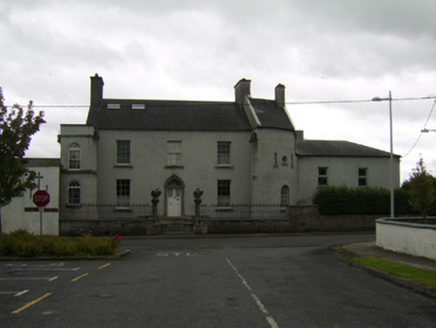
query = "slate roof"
{"x": 179, "y": 115}
{"x": 271, "y": 115}
{"x": 337, "y": 149}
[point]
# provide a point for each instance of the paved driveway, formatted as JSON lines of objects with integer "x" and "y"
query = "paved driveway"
{"x": 263, "y": 281}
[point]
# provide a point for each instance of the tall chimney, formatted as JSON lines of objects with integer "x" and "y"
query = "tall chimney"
{"x": 96, "y": 89}
{"x": 242, "y": 89}
{"x": 280, "y": 95}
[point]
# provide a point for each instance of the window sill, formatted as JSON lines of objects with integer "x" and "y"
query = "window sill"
{"x": 123, "y": 209}
{"x": 224, "y": 209}
{"x": 174, "y": 166}
{"x": 224, "y": 166}
{"x": 126, "y": 166}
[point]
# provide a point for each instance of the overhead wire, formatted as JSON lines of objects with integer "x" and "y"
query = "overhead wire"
{"x": 422, "y": 131}
{"x": 200, "y": 102}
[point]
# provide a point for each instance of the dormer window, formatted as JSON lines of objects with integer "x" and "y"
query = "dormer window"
{"x": 113, "y": 106}
{"x": 138, "y": 106}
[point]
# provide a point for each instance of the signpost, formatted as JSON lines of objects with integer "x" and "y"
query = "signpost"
{"x": 41, "y": 198}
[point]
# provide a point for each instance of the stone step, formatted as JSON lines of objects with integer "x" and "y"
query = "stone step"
{"x": 177, "y": 228}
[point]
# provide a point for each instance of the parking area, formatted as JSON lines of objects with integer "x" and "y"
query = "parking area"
{"x": 262, "y": 281}
{"x": 25, "y": 283}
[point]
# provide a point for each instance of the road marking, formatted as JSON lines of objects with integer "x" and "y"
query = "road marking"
{"x": 28, "y": 278}
{"x": 79, "y": 277}
{"x": 15, "y": 293}
{"x": 166, "y": 254}
{"x": 31, "y": 303}
{"x": 43, "y": 269}
{"x": 21, "y": 293}
{"x": 104, "y": 266}
{"x": 10, "y": 265}
{"x": 260, "y": 305}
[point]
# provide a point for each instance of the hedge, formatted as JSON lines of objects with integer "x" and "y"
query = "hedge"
{"x": 340, "y": 200}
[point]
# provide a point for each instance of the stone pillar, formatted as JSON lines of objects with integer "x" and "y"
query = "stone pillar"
{"x": 197, "y": 194}
{"x": 155, "y": 200}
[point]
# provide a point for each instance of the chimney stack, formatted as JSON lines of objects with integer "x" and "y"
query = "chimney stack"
{"x": 96, "y": 89}
{"x": 242, "y": 90}
{"x": 280, "y": 95}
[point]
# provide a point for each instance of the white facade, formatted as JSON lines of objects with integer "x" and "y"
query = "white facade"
{"x": 343, "y": 172}
{"x": 243, "y": 152}
{"x": 22, "y": 213}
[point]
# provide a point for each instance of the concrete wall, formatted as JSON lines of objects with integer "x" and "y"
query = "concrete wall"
{"x": 404, "y": 236}
{"x": 22, "y": 213}
{"x": 342, "y": 171}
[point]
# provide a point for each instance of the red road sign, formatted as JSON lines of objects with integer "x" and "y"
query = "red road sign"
{"x": 41, "y": 198}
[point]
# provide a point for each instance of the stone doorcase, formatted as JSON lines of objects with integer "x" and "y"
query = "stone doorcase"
{"x": 174, "y": 197}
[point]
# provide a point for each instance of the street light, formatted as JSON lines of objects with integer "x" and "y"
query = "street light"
{"x": 392, "y": 149}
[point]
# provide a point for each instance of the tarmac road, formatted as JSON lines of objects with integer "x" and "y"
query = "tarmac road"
{"x": 256, "y": 281}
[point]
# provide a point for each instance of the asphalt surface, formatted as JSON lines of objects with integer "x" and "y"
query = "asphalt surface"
{"x": 213, "y": 281}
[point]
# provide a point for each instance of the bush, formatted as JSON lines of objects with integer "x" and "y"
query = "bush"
{"x": 23, "y": 244}
{"x": 90, "y": 246}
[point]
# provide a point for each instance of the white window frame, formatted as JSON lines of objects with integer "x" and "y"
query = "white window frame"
{"x": 174, "y": 153}
{"x": 323, "y": 176}
{"x": 224, "y": 193}
{"x": 74, "y": 156}
{"x": 223, "y": 152}
{"x": 74, "y": 194}
{"x": 123, "y": 152}
{"x": 362, "y": 180}
{"x": 284, "y": 196}
{"x": 123, "y": 193}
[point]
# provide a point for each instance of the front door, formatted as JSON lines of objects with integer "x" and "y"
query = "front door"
{"x": 174, "y": 201}
{"x": 174, "y": 197}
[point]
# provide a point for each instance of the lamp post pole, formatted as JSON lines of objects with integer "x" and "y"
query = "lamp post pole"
{"x": 391, "y": 134}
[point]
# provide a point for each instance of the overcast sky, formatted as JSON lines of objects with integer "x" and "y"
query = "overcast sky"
{"x": 199, "y": 49}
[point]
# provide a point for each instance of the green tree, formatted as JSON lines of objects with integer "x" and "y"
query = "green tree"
{"x": 422, "y": 189}
{"x": 16, "y": 129}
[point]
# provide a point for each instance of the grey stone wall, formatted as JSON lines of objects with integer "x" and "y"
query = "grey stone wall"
{"x": 135, "y": 227}
{"x": 296, "y": 219}
{"x": 307, "y": 218}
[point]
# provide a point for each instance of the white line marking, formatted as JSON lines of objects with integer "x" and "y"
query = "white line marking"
{"x": 61, "y": 264}
{"x": 28, "y": 278}
{"x": 167, "y": 254}
{"x": 21, "y": 293}
{"x": 15, "y": 293}
{"x": 261, "y": 307}
{"x": 43, "y": 269}
{"x": 162, "y": 254}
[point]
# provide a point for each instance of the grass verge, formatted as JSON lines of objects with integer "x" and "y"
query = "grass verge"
{"x": 416, "y": 275}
